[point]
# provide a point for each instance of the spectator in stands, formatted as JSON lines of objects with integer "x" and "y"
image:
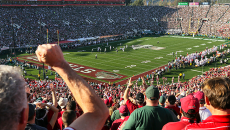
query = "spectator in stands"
{"x": 217, "y": 95}
{"x": 139, "y": 99}
{"x": 31, "y": 119}
{"x": 71, "y": 106}
{"x": 116, "y": 114}
{"x": 62, "y": 103}
{"x": 162, "y": 101}
{"x": 204, "y": 112}
{"x": 13, "y": 104}
{"x": 42, "y": 115}
{"x": 190, "y": 113}
{"x": 123, "y": 110}
{"x": 150, "y": 116}
{"x": 172, "y": 106}
{"x": 68, "y": 117}
{"x": 95, "y": 111}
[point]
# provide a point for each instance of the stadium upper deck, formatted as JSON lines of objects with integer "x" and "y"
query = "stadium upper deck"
{"x": 62, "y": 2}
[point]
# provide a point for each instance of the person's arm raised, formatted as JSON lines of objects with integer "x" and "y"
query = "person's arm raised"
{"x": 129, "y": 85}
{"x": 54, "y": 96}
{"x": 145, "y": 86}
{"x": 95, "y": 111}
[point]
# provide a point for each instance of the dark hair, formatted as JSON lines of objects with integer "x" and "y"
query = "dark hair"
{"x": 71, "y": 105}
{"x": 131, "y": 94}
{"x": 140, "y": 101}
{"x": 68, "y": 117}
{"x": 217, "y": 90}
{"x": 41, "y": 117}
{"x": 192, "y": 116}
{"x": 116, "y": 106}
{"x": 172, "y": 99}
{"x": 124, "y": 114}
{"x": 30, "y": 117}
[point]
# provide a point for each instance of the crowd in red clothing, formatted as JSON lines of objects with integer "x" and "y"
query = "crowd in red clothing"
{"x": 115, "y": 96}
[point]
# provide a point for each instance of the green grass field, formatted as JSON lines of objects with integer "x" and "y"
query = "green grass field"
{"x": 133, "y": 62}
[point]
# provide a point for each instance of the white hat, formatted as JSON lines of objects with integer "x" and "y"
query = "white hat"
{"x": 62, "y": 102}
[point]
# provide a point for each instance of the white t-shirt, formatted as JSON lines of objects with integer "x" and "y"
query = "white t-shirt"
{"x": 204, "y": 113}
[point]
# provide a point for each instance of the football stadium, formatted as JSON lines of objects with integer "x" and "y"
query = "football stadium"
{"x": 131, "y": 54}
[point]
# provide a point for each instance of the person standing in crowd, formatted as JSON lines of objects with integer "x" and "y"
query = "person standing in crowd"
{"x": 14, "y": 108}
{"x": 150, "y": 116}
{"x": 162, "y": 101}
{"x": 31, "y": 119}
{"x": 68, "y": 117}
{"x": 190, "y": 114}
{"x": 217, "y": 95}
{"x": 139, "y": 99}
{"x": 95, "y": 111}
{"x": 123, "y": 110}
{"x": 42, "y": 113}
{"x": 172, "y": 106}
{"x": 204, "y": 112}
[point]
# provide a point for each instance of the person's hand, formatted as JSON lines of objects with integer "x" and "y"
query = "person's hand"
{"x": 41, "y": 105}
{"x": 130, "y": 84}
{"x": 50, "y": 54}
{"x": 52, "y": 87}
{"x": 143, "y": 81}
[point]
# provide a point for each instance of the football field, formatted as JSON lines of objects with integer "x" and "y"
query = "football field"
{"x": 139, "y": 56}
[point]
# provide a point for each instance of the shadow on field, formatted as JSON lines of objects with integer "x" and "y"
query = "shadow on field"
{"x": 114, "y": 45}
{"x": 82, "y": 54}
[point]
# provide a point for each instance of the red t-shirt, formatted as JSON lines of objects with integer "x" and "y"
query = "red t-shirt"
{"x": 177, "y": 125}
{"x": 214, "y": 122}
{"x": 116, "y": 124}
{"x": 131, "y": 106}
{"x": 59, "y": 120}
{"x": 126, "y": 118}
{"x": 177, "y": 109}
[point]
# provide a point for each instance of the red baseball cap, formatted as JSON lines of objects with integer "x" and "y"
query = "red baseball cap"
{"x": 123, "y": 109}
{"x": 190, "y": 102}
{"x": 44, "y": 101}
{"x": 106, "y": 101}
{"x": 199, "y": 95}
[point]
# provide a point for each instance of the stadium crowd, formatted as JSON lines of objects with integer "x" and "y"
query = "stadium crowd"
{"x": 72, "y": 103}
{"x": 31, "y": 23}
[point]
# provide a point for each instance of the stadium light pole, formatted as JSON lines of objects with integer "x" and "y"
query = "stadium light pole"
{"x": 13, "y": 36}
{"x": 44, "y": 74}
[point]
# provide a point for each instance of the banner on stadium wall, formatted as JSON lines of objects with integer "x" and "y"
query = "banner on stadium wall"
{"x": 4, "y": 48}
{"x": 205, "y": 3}
{"x": 182, "y": 3}
{"x": 193, "y": 3}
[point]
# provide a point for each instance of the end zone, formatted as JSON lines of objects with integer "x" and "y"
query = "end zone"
{"x": 84, "y": 70}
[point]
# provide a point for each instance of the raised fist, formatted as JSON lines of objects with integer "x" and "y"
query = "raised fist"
{"x": 50, "y": 54}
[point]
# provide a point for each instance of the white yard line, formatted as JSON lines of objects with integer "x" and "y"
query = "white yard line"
{"x": 196, "y": 70}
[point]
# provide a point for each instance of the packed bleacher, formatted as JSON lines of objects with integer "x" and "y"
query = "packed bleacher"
{"x": 70, "y": 103}
{"x": 31, "y": 24}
